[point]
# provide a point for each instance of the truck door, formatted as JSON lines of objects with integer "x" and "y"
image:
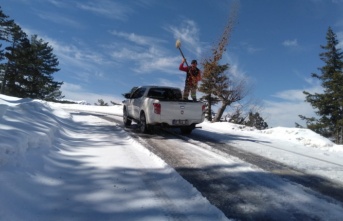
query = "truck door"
{"x": 136, "y": 102}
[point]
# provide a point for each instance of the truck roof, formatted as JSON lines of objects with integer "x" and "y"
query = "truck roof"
{"x": 155, "y": 86}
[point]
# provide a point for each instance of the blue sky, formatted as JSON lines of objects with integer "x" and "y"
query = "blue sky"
{"x": 105, "y": 47}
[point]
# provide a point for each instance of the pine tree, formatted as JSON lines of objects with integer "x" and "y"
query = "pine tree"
{"x": 2, "y": 67}
{"x": 16, "y": 60}
{"x": 214, "y": 78}
{"x": 217, "y": 87}
{"x": 5, "y": 26}
{"x": 40, "y": 68}
{"x": 207, "y": 86}
{"x": 228, "y": 92}
{"x": 101, "y": 102}
{"x": 30, "y": 64}
{"x": 255, "y": 120}
{"x": 30, "y": 67}
{"x": 329, "y": 104}
{"x": 236, "y": 117}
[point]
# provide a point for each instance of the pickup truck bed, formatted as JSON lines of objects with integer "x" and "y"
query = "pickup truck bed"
{"x": 151, "y": 106}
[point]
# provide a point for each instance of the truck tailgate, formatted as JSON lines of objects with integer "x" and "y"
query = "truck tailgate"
{"x": 181, "y": 110}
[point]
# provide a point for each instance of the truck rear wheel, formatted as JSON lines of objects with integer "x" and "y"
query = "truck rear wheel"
{"x": 187, "y": 130}
{"x": 126, "y": 120}
{"x": 143, "y": 127}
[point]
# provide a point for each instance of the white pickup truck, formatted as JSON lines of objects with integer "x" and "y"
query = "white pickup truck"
{"x": 151, "y": 106}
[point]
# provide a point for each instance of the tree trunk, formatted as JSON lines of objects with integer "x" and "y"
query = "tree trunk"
{"x": 2, "y": 90}
{"x": 3, "y": 83}
{"x": 209, "y": 114}
{"x": 209, "y": 108}
{"x": 220, "y": 112}
{"x": 339, "y": 135}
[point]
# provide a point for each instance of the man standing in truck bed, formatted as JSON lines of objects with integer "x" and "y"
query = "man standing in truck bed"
{"x": 192, "y": 78}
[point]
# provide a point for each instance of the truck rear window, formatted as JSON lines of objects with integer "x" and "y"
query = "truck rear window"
{"x": 165, "y": 94}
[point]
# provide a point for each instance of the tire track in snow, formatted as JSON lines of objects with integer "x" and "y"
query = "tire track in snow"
{"x": 170, "y": 209}
{"x": 317, "y": 183}
{"x": 239, "y": 196}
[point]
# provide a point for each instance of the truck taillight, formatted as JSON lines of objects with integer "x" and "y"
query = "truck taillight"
{"x": 157, "y": 108}
{"x": 203, "y": 108}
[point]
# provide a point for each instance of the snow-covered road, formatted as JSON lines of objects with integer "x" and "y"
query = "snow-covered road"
{"x": 67, "y": 165}
{"x": 95, "y": 171}
{"x": 241, "y": 190}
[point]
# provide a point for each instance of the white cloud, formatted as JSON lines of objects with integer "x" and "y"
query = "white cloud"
{"x": 290, "y": 43}
{"x": 73, "y": 57}
{"x": 249, "y": 48}
{"x": 57, "y": 3}
{"x": 291, "y": 95}
{"x": 76, "y": 92}
{"x": 59, "y": 19}
{"x": 137, "y": 39}
{"x": 165, "y": 82}
{"x": 285, "y": 112}
{"x": 285, "y": 109}
{"x": 148, "y": 60}
{"x": 146, "y": 53}
{"x": 107, "y": 8}
{"x": 253, "y": 50}
{"x": 235, "y": 70}
{"x": 188, "y": 33}
{"x": 161, "y": 64}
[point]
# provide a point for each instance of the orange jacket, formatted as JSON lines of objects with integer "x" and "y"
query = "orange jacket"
{"x": 193, "y": 74}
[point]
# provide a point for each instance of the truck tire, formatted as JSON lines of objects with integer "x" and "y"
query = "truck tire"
{"x": 187, "y": 130}
{"x": 143, "y": 127}
{"x": 126, "y": 120}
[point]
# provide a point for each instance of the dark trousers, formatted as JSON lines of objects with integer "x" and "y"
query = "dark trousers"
{"x": 190, "y": 88}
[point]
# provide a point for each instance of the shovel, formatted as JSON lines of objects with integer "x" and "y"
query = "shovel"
{"x": 178, "y": 45}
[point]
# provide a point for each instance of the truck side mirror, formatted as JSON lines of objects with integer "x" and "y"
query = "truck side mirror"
{"x": 127, "y": 95}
